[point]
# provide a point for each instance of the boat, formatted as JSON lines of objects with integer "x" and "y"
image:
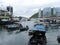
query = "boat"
{"x": 37, "y": 27}
{"x": 12, "y": 26}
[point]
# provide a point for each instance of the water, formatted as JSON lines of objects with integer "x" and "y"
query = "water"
{"x": 52, "y": 37}
{"x": 22, "y": 38}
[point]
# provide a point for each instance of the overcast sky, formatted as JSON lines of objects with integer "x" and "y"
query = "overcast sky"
{"x": 27, "y": 8}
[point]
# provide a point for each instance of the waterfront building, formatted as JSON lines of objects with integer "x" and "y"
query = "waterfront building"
{"x": 39, "y": 15}
{"x": 5, "y": 15}
{"x": 6, "y": 11}
{"x": 50, "y": 14}
{"x": 56, "y": 11}
{"x": 10, "y": 9}
{"x": 47, "y": 12}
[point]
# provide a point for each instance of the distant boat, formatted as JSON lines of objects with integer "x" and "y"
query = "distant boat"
{"x": 12, "y": 26}
{"x": 4, "y": 20}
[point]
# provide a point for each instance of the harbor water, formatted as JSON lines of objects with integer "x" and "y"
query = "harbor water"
{"x": 22, "y": 38}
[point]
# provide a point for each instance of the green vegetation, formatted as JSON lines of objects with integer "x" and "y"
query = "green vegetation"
{"x": 34, "y": 15}
{"x": 4, "y": 17}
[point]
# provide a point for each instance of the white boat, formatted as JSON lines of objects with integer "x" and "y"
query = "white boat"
{"x": 12, "y": 26}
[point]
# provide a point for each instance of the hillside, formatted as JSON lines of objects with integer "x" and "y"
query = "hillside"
{"x": 36, "y": 15}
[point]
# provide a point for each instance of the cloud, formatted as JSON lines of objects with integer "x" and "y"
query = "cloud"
{"x": 26, "y": 12}
{"x": 29, "y": 7}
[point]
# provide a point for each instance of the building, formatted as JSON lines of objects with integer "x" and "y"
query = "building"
{"x": 6, "y": 11}
{"x": 50, "y": 14}
{"x": 39, "y": 15}
{"x": 5, "y": 15}
{"x": 47, "y": 12}
{"x": 56, "y": 11}
{"x": 10, "y": 9}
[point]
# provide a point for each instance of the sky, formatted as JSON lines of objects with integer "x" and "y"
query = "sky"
{"x": 27, "y": 8}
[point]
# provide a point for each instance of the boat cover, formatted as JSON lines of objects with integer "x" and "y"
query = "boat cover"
{"x": 39, "y": 28}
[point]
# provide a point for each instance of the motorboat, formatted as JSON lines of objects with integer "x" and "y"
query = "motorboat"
{"x": 37, "y": 27}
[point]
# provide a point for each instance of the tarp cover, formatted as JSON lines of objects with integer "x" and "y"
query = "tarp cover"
{"x": 39, "y": 28}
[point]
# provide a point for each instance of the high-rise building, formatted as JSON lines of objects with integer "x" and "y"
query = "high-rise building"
{"x": 6, "y": 12}
{"x": 10, "y": 9}
{"x": 39, "y": 15}
{"x": 56, "y": 11}
{"x": 47, "y": 12}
